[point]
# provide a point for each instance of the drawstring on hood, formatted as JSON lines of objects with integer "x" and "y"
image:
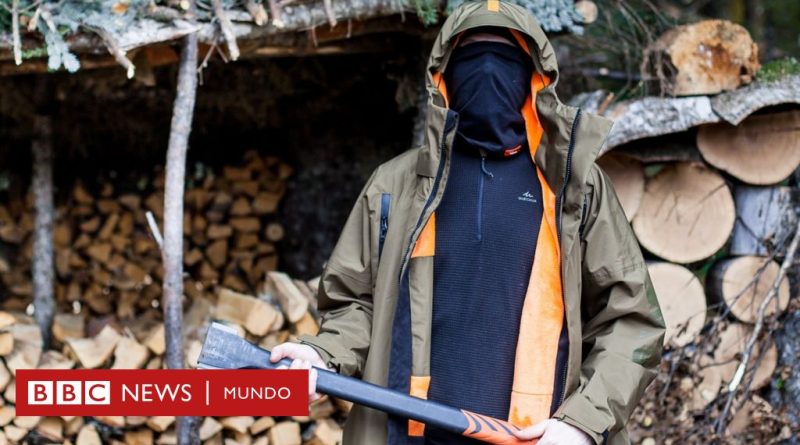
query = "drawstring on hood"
{"x": 488, "y": 83}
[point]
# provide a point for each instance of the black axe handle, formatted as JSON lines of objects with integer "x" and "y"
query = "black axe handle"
{"x": 224, "y": 349}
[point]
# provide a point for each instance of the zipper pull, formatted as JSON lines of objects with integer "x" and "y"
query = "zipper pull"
{"x": 483, "y": 164}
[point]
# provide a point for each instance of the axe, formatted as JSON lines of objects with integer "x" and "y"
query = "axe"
{"x": 224, "y": 349}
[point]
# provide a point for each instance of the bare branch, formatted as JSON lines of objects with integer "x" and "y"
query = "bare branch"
{"x": 751, "y": 342}
{"x": 115, "y": 50}
{"x": 17, "y": 42}
{"x": 226, "y": 27}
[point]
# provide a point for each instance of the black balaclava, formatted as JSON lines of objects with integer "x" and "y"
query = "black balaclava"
{"x": 488, "y": 83}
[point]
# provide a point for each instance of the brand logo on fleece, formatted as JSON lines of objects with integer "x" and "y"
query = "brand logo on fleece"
{"x": 527, "y": 196}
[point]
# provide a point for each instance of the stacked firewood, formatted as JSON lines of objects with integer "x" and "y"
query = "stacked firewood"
{"x": 715, "y": 218}
{"x": 283, "y": 309}
{"x": 106, "y": 256}
{"x": 108, "y": 288}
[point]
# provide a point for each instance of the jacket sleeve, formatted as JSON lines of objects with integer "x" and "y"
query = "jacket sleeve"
{"x": 623, "y": 329}
{"x": 345, "y": 295}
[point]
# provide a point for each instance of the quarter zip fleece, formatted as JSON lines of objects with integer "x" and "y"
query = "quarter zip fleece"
{"x": 487, "y": 226}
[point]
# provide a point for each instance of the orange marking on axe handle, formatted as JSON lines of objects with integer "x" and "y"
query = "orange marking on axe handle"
{"x": 492, "y": 430}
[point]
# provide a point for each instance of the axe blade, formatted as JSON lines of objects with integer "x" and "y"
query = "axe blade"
{"x": 224, "y": 349}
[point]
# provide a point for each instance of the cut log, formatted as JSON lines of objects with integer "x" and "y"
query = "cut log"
{"x": 139, "y": 437}
{"x": 72, "y": 425}
{"x": 27, "y": 347}
{"x": 257, "y": 316}
{"x": 742, "y": 283}
{"x": 261, "y": 425}
{"x": 706, "y": 57}
{"x": 5, "y": 376}
{"x": 115, "y": 421}
{"x": 6, "y": 343}
{"x": 682, "y": 301}
{"x": 765, "y": 219}
{"x": 68, "y": 326}
{"x": 306, "y": 325}
{"x": 274, "y": 232}
{"x": 709, "y": 385}
{"x": 27, "y": 422}
{"x": 155, "y": 340}
{"x": 94, "y": 352}
{"x": 762, "y": 150}
{"x": 51, "y": 428}
{"x": 130, "y": 354}
{"x": 88, "y": 436}
{"x": 240, "y": 424}
{"x": 326, "y": 432}
{"x": 7, "y": 414}
{"x": 285, "y": 433}
{"x": 728, "y": 354}
{"x": 209, "y": 428}
{"x": 291, "y": 299}
{"x": 687, "y": 213}
{"x": 55, "y": 360}
{"x": 627, "y": 175}
{"x": 160, "y": 423}
{"x": 6, "y": 319}
{"x": 15, "y": 434}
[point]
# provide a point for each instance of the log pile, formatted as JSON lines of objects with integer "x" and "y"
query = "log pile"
{"x": 106, "y": 257}
{"x": 714, "y": 207}
{"x": 714, "y": 211}
{"x": 107, "y": 342}
{"x": 108, "y": 270}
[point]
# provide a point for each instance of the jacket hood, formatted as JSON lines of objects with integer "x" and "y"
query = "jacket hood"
{"x": 556, "y": 118}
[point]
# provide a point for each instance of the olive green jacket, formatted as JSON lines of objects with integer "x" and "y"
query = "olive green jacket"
{"x": 615, "y": 328}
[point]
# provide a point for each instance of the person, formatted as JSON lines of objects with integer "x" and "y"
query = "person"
{"x": 492, "y": 269}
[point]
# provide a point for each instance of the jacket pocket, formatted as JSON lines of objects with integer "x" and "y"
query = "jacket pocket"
{"x": 386, "y": 202}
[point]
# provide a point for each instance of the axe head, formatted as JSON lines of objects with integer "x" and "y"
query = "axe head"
{"x": 224, "y": 349}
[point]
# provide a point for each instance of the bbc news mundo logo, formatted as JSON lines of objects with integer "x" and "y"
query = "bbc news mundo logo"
{"x": 117, "y": 392}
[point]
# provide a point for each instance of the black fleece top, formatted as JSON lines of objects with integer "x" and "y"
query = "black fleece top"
{"x": 486, "y": 230}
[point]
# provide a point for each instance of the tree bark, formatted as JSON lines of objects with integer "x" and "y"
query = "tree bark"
{"x": 42, "y": 185}
{"x": 172, "y": 253}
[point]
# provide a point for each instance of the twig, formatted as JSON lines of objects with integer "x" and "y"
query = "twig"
{"x": 17, "y": 42}
{"x": 329, "y": 12}
{"x": 34, "y": 21}
{"x": 226, "y": 27}
{"x": 257, "y": 11}
{"x": 153, "y": 226}
{"x": 275, "y": 10}
{"x": 115, "y": 50}
{"x": 773, "y": 292}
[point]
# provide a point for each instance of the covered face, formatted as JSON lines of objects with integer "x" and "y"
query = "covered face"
{"x": 488, "y": 79}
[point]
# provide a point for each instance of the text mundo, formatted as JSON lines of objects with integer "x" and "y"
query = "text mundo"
{"x": 162, "y": 392}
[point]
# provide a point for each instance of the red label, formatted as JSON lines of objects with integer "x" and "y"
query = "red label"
{"x": 171, "y": 392}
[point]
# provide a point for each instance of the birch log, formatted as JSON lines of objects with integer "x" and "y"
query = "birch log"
{"x": 742, "y": 283}
{"x": 42, "y": 263}
{"x": 765, "y": 219}
{"x": 687, "y": 213}
{"x": 682, "y": 301}
{"x": 172, "y": 253}
{"x": 627, "y": 175}
{"x": 762, "y": 150}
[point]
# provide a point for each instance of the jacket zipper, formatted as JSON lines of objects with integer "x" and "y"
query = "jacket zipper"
{"x": 386, "y": 202}
{"x": 559, "y": 204}
{"x": 434, "y": 189}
